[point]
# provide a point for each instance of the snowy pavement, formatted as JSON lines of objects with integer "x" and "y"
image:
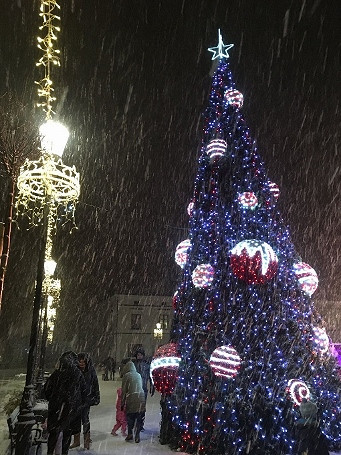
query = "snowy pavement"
{"x": 102, "y": 419}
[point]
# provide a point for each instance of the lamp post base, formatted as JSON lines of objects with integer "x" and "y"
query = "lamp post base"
{"x": 26, "y": 420}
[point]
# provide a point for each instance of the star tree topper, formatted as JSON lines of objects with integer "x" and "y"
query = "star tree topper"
{"x": 220, "y": 51}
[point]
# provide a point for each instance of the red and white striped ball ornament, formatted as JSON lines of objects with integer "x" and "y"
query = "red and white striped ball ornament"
{"x": 175, "y": 300}
{"x": 216, "y": 148}
{"x": 190, "y": 208}
{"x": 181, "y": 253}
{"x": 203, "y": 275}
{"x": 248, "y": 200}
{"x": 164, "y": 368}
{"x": 274, "y": 190}
{"x": 321, "y": 340}
{"x": 234, "y": 98}
{"x": 254, "y": 261}
{"x": 306, "y": 277}
{"x": 225, "y": 362}
{"x": 297, "y": 390}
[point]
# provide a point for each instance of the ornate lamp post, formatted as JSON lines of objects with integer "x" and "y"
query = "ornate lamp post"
{"x": 47, "y": 190}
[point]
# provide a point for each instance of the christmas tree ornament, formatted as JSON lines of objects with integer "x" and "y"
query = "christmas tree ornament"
{"x": 225, "y": 362}
{"x": 248, "y": 200}
{"x": 164, "y": 368}
{"x": 306, "y": 277}
{"x": 321, "y": 340}
{"x": 254, "y": 261}
{"x": 274, "y": 190}
{"x": 220, "y": 51}
{"x": 297, "y": 390}
{"x": 234, "y": 98}
{"x": 190, "y": 208}
{"x": 216, "y": 148}
{"x": 181, "y": 253}
{"x": 203, "y": 275}
{"x": 175, "y": 300}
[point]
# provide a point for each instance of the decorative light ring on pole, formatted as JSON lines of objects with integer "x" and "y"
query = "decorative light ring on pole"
{"x": 47, "y": 177}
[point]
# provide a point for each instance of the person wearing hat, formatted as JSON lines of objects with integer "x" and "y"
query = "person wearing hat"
{"x": 65, "y": 391}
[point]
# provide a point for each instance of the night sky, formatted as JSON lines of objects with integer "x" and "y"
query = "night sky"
{"x": 132, "y": 88}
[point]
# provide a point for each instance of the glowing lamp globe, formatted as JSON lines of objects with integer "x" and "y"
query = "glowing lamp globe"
{"x": 53, "y": 137}
{"x": 164, "y": 368}
{"x": 181, "y": 253}
{"x": 225, "y": 362}
{"x": 216, "y": 148}
{"x": 306, "y": 277}
{"x": 321, "y": 340}
{"x": 253, "y": 261}
{"x": 50, "y": 267}
{"x": 203, "y": 275}
{"x": 234, "y": 98}
{"x": 297, "y": 390}
{"x": 248, "y": 200}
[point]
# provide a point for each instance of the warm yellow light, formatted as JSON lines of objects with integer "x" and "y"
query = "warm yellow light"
{"x": 50, "y": 266}
{"x": 54, "y": 137}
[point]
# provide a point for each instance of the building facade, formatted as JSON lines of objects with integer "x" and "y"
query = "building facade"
{"x": 139, "y": 321}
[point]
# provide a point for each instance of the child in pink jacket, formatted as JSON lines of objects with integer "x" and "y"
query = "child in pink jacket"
{"x": 121, "y": 418}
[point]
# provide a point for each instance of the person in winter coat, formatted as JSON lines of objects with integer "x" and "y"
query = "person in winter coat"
{"x": 92, "y": 399}
{"x": 65, "y": 391}
{"x": 143, "y": 367}
{"x": 121, "y": 416}
{"x": 133, "y": 399}
{"x": 311, "y": 441}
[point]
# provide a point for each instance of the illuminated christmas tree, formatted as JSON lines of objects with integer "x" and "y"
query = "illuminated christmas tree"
{"x": 251, "y": 342}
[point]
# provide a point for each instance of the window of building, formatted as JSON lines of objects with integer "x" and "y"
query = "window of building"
{"x": 164, "y": 320}
{"x": 136, "y": 321}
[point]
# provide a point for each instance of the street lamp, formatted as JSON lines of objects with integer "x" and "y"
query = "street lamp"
{"x": 158, "y": 332}
{"x": 50, "y": 291}
{"x": 47, "y": 191}
{"x": 45, "y": 186}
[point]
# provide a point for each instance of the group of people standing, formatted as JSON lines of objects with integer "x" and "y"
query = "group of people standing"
{"x": 70, "y": 390}
{"x": 73, "y": 388}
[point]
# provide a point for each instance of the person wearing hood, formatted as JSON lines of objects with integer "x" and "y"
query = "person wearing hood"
{"x": 143, "y": 367}
{"x": 92, "y": 399}
{"x": 133, "y": 399}
{"x": 311, "y": 441}
{"x": 65, "y": 391}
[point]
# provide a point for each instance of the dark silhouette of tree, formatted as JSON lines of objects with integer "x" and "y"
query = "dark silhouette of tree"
{"x": 19, "y": 140}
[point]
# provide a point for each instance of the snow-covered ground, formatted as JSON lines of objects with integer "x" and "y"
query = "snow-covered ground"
{"x": 102, "y": 419}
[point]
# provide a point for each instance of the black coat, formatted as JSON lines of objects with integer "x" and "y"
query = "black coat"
{"x": 66, "y": 393}
{"x": 91, "y": 382}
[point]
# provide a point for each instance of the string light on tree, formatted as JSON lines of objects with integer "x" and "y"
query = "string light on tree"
{"x": 254, "y": 261}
